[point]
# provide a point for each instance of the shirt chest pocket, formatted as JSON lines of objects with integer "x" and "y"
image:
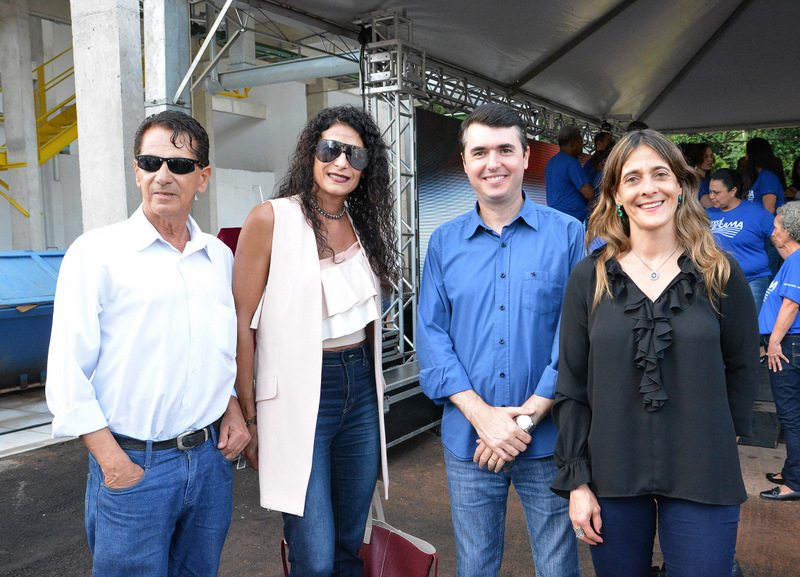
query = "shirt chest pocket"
{"x": 542, "y": 291}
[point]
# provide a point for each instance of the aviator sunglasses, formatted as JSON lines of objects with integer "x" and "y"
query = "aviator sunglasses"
{"x": 329, "y": 150}
{"x": 175, "y": 165}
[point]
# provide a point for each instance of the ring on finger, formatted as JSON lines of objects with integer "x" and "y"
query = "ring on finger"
{"x": 579, "y": 532}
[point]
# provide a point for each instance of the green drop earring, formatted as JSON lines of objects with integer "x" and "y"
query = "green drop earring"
{"x": 680, "y": 200}
{"x": 619, "y": 210}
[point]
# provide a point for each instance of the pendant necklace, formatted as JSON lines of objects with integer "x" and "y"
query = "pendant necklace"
{"x": 327, "y": 214}
{"x": 654, "y": 271}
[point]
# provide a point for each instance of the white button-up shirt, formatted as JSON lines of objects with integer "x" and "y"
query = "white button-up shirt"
{"x": 144, "y": 336}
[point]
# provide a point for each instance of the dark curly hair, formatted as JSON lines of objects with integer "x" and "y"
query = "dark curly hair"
{"x": 370, "y": 204}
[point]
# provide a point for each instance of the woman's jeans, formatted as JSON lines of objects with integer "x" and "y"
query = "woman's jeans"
{"x": 696, "y": 540}
{"x": 786, "y": 392}
{"x": 758, "y": 286}
{"x": 325, "y": 541}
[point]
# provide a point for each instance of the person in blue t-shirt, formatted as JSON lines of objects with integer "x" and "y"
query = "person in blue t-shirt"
{"x": 741, "y": 228}
{"x": 766, "y": 174}
{"x": 779, "y": 324}
{"x": 568, "y": 189}
{"x": 765, "y": 171}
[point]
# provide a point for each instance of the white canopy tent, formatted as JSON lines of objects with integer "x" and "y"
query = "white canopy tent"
{"x": 678, "y": 65}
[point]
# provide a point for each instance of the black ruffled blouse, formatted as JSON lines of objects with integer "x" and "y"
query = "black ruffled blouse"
{"x": 651, "y": 394}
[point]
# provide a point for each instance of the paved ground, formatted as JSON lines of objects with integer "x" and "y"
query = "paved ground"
{"x": 42, "y": 535}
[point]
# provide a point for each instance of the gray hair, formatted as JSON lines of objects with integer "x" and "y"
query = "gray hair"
{"x": 789, "y": 214}
{"x": 569, "y": 133}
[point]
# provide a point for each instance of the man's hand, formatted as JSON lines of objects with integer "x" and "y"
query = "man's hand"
{"x": 119, "y": 472}
{"x": 541, "y": 407}
{"x": 123, "y": 475}
{"x": 233, "y": 434}
{"x": 495, "y": 425}
{"x": 485, "y": 457}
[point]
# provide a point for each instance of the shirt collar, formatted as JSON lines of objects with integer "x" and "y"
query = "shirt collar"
{"x": 527, "y": 213}
{"x": 144, "y": 234}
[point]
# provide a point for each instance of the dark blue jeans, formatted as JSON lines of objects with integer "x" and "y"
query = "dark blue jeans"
{"x": 172, "y": 522}
{"x": 696, "y": 540}
{"x": 325, "y": 541}
{"x": 785, "y": 386}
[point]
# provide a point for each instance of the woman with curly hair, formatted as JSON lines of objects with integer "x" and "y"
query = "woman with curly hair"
{"x": 657, "y": 361}
{"x": 309, "y": 271}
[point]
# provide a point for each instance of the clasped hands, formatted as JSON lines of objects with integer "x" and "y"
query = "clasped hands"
{"x": 501, "y": 440}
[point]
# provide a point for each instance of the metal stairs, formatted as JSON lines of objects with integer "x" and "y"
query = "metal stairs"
{"x": 56, "y": 126}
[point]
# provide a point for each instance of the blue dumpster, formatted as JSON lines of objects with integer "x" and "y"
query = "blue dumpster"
{"x": 27, "y": 290}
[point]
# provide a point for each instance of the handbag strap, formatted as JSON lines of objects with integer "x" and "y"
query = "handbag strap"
{"x": 379, "y": 516}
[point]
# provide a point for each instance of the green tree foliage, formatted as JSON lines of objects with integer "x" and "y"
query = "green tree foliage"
{"x": 729, "y": 146}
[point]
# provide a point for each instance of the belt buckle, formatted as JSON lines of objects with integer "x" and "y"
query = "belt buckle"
{"x": 183, "y": 436}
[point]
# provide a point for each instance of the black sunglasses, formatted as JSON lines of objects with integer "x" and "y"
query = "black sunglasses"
{"x": 329, "y": 150}
{"x": 175, "y": 165}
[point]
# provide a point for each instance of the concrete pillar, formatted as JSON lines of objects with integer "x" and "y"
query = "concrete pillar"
{"x": 107, "y": 48}
{"x": 204, "y": 209}
{"x": 25, "y": 186}
{"x": 243, "y": 52}
{"x": 166, "y": 55}
{"x": 317, "y": 94}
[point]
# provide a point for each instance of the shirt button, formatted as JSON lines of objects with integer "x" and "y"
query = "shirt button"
{"x": 502, "y": 275}
{"x": 502, "y": 308}
{"x": 503, "y": 244}
{"x": 502, "y": 342}
{"x": 502, "y": 375}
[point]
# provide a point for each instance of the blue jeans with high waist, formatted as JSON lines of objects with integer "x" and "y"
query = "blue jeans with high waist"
{"x": 478, "y": 499}
{"x": 697, "y": 540}
{"x": 173, "y": 522}
{"x": 325, "y": 541}
{"x": 758, "y": 286}
{"x": 785, "y": 386}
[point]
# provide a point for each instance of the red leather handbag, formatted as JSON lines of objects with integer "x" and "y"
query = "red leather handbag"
{"x": 392, "y": 553}
{"x": 388, "y": 552}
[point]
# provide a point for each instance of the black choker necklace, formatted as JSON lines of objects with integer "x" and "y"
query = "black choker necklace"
{"x": 327, "y": 214}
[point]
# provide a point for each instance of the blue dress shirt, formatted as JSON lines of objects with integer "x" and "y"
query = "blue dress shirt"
{"x": 489, "y": 315}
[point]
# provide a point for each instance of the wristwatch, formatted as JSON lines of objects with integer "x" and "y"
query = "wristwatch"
{"x": 525, "y": 423}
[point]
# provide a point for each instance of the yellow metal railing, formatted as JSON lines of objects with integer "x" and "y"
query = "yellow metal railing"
{"x": 56, "y": 127}
{"x": 13, "y": 202}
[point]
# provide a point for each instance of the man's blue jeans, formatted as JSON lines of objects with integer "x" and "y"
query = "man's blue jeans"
{"x": 785, "y": 386}
{"x": 478, "y": 503}
{"x": 325, "y": 541}
{"x": 173, "y": 522}
{"x": 697, "y": 540}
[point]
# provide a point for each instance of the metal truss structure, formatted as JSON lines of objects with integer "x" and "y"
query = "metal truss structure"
{"x": 396, "y": 77}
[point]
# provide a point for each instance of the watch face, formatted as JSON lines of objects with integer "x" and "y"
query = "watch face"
{"x": 524, "y": 422}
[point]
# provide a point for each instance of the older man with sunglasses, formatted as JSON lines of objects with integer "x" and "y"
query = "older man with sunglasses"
{"x": 141, "y": 367}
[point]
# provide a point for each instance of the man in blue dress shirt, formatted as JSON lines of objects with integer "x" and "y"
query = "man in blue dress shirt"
{"x": 487, "y": 342}
{"x": 568, "y": 188}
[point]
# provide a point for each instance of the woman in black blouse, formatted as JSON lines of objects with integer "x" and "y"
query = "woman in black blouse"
{"x": 658, "y": 361}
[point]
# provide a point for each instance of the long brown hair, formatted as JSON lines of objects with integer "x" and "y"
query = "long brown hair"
{"x": 692, "y": 226}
